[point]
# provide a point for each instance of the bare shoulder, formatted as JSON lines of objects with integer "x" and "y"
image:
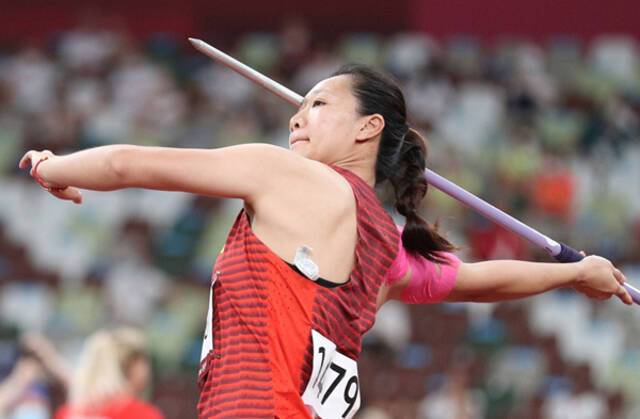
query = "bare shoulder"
{"x": 270, "y": 161}
{"x": 294, "y": 175}
{"x": 316, "y": 182}
{"x": 269, "y": 172}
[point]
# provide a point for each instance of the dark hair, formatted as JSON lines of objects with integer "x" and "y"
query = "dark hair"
{"x": 401, "y": 156}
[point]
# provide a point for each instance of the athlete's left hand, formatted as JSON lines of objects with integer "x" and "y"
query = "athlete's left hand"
{"x": 31, "y": 159}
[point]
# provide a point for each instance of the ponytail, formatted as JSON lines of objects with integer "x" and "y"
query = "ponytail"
{"x": 401, "y": 157}
{"x": 410, "y": 187}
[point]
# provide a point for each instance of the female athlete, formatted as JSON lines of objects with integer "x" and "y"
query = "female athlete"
{"x": 313, "y": 254}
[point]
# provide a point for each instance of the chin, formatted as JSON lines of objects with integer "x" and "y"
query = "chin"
{"x": 297, "y": 151}
{"x": 301, "y": 149}
{"x": 306, "y": 155}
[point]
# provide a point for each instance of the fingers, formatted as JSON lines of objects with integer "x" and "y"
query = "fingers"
{"x": 33, "y": 156}
{"x": 594, "y": 294}
{"x": 77, "y": 198}
{"x": 25, "y": 160}
{"x": 619, "y": 276}
{"x": 624, "y": 295}
{"x": 622, "y": 292}
{"x": 69, "y": 194}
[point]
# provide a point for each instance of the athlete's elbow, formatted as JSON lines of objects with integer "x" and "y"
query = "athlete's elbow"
{"x": 119, "y": 165}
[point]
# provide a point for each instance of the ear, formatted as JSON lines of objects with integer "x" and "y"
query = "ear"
{"x": 372, "y": 126}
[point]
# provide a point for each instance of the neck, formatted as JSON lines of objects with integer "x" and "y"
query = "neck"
{"x": 364, "y": 168}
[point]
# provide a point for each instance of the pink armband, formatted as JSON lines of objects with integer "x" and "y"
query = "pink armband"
{"x": 399, "y": 267}
{"x": 430, "y": 282}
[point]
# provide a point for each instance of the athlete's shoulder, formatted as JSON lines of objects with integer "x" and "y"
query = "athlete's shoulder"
{"x": 296, "y": 173}
{"x": 272, "y": 160}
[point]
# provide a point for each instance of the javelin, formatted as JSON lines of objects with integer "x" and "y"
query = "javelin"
{"x": 559, "y": 251}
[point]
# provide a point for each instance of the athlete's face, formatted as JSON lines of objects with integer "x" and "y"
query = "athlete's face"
{"x": 327, "y": 126}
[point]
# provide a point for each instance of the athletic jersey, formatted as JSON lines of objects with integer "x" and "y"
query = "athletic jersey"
{"x": 278, "y": 344}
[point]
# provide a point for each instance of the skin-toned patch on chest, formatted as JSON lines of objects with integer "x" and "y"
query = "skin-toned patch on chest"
{"x": 302, "y": 260}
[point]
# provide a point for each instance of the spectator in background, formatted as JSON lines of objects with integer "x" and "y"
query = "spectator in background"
{"x": 26, "y": 391}
{"x": 21, "y": 394}
{"x": 112, "y": 373}
{"x": 580, "y": 401}
{"x": 454, "y": 399}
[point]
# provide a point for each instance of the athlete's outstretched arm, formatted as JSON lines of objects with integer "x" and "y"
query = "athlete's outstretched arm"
{"x": 423, "y": 281}
{"x": 242, "y": 171}
{"x": 501, "y": 280}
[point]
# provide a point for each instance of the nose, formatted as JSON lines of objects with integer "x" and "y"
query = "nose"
{"x": 296, "y": 121}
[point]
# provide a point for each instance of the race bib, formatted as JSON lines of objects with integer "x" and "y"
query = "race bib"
{"x": 333, "y": 390}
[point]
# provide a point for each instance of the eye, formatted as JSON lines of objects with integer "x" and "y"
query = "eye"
{"x": 317, "y": 103}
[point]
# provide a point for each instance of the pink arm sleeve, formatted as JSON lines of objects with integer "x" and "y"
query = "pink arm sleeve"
{"x": 430, "y": 282}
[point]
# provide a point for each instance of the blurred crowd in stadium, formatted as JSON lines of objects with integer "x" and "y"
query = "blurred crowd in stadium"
{"x": 550, "y": 133}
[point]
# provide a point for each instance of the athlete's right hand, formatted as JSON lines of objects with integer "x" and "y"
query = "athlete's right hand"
{"x": 31, "y": 159}
{"x": 599, "y": 279}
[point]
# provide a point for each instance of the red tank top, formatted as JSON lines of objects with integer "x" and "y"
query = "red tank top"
{"x": 280, "y": 345}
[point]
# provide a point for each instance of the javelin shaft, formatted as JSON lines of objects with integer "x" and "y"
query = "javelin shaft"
{"x": 248, "y": 72}
{"x": 561, "y": 252}
{"x": 433, "y": 178}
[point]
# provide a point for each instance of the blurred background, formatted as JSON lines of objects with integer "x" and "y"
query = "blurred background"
{"x": 534, "y": 106}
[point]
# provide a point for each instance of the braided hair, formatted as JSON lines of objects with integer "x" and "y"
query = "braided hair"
{"x": 401, "y": 156}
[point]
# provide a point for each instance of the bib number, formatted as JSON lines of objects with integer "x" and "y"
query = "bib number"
{"x": 333, "y": 390}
